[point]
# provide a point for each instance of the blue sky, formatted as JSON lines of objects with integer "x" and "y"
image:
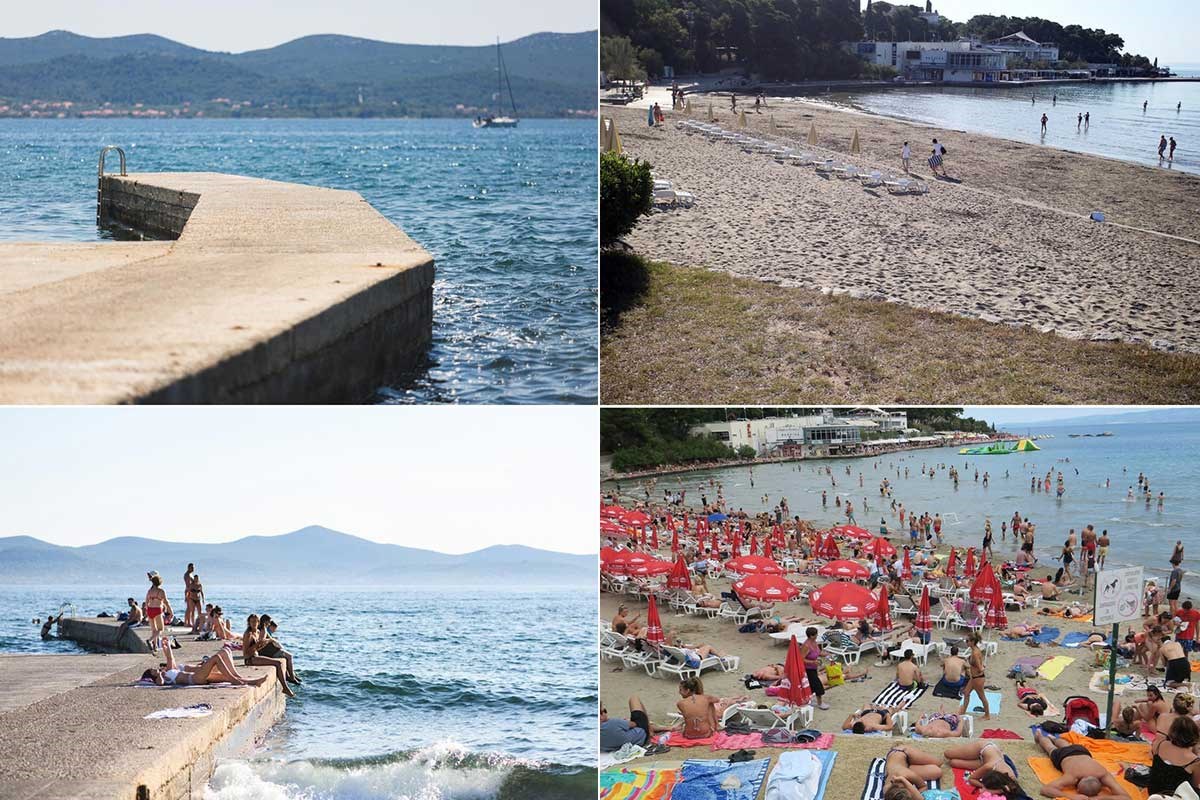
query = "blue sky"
{"x": 254, "y": 24}
{"x": 453, "y": 479}
{"x": 1163, "y": 28}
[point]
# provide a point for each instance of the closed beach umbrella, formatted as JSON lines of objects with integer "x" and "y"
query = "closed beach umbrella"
{"x": 650, "y": 116}
{"x": 951, "y": 564}
{"x": 753, "y": 544}
{"x": 753, "y": 565}
{"x": 710, "y": 112}
{"x": 924, "y": 622}
{"x": 798, "y": 692}
{"x": 812, "y": 133}
{"x": 969, "y": 568}
{"x": 986, "y": 587}
{"x": 883, "y": 615}
{"x": 854, "y": 146}
{"x": 906, "y": 569}
{"x": 674, "y": 541}
{"x": 773, "y": 128}
{"x": 769, "y": 588}
{"x": 880, "y": 547}
{"x": 741, "y": 119}
{"x": 842, "y": 600}
{"x": 654, "y": 631}
{"x": 654, "y": 537}
{"x": 829, "y": 549}
{"x": 851, "y": 532}
{"x": 737, "y": 544}
{"x": 680, "y": 578}
{"x": 767, "y": 553}
{"x": 844, "y": 568}
{"x": 997, "y": 616}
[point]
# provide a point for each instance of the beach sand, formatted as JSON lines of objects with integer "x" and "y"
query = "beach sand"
{"x": 1008, "y": 241}
{"x": 660, "y": 693}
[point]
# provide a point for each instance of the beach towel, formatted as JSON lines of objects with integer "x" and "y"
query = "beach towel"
{"x": 822, "y": 742}
{"x": 1074, "y": 639}
{"x": 1125, "y": 681}
{"x": 153, "y": 685}
{"x": 876, "y": 773}
{"x": 720, "y": 780}
{"x": 737, "y": 741}
{"x": 999, "y": 733}
{"x": 943, "y": 689}
{"x": 1046, "y": 635}
{"x": 628, "y": 752}
{"x": 183, "y": 712}
{"x": 677, "y": 739}
{"x": 1108, "y": 752}
{"x": 1028, "y": 665}
{"x": 800, "y": 775}
{"x": 968, "y": 792}
{"x": 892, "y": 695}
{"x": 1054, "y": 667}
{"x": 993, "y": 698}
{"x": 637, "y": 784}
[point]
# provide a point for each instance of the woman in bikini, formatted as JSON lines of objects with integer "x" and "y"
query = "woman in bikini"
{"x": 158, "y": 609}
{"x": 251, "y": 658}
{"x": 1153, "y": 706}
{"x": 195, "y": 598}
{"x": 219, "y": 627}
{"x": 979, "y": 758}
{"x": 218, "y": 668}
{"x": 975, "y": 682}
{"x": 908, "y": 772}
{"x": 698, "y": 709}
{"x": 189, "y": 613}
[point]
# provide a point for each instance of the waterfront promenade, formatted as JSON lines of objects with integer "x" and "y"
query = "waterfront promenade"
{"x": 73, "y": 726}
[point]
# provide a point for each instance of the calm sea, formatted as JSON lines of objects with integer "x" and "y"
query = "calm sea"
{"x": 1119, "y": 128}
{"x": 428, "y": 694}
{"x": 509, "y": 215}
{"x": 1169, "y": 454}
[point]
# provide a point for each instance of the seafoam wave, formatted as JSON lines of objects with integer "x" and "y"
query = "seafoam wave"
{"x": 444, "y": 771}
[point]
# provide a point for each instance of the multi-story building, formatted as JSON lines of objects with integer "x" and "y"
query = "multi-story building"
{"x": 1021, "y": 46}
{"x": 961, "y": 61}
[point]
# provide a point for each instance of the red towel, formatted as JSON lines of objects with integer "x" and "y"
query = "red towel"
{"x": 965, "y": 790}
{"x": 998, "y": 733}
{"x": 677, "y": 739}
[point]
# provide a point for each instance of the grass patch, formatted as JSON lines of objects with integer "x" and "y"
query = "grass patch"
{"x": 679, "y": 335}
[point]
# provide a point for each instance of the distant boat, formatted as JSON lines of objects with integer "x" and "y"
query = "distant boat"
{"x": 501, "y": 80}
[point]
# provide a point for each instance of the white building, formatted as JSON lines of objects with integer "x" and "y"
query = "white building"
{"x": 961, "y": 61}
{"x": 884, "y": 421}
{"x": 1021, "y": 46}
{"x": 828, "y": 431}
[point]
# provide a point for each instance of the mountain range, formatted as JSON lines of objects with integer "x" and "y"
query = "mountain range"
{"x": 310, "y": 556}
{"x": 552, "y": 74}
{"x": 1169, "y": 415}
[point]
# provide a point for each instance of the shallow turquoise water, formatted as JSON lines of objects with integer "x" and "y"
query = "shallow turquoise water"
{"x": 421, "y": 693}
{"x": 509, "y": 215}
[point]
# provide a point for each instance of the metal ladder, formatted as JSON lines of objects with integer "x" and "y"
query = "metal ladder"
{"x": 100, "y": 177}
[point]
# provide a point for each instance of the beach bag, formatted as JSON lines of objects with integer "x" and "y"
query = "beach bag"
{"x": 834, "y": 675}
{"x": 1051, "y": 726}
{"x": 1078, "y": 707}
{"x": 777, "y": 736}
{"x": 1138, "y": 775}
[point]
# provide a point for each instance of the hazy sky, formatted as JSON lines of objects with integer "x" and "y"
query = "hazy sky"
{"x": 1013, "y": 415}
{"x": 453, "y": 479}
{"x": 1165, "y": 29}
{"x": 254, "y": 24}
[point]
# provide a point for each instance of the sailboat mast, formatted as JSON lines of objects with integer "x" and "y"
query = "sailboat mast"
{"x": 499, "y": 84}
{"x": 511, "y": 99}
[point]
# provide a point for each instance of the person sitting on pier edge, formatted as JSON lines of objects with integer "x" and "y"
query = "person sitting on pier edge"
{"x": 270, "y": 647}
{"x": 251, "y": 641}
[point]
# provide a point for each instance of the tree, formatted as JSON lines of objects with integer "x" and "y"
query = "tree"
{"x": 619, "y": 60}
{"x": 626, "y": 192}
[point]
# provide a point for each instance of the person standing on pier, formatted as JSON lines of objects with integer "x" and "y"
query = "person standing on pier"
{"x": 157, "y": 606}
{"x": 191, "y": 608}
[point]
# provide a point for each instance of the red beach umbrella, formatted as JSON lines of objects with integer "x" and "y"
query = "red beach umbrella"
{"x": 969, "y": 568}
{"x": 612, "y": 528}
{"x": 654, "y": 631}
{"x": 851, "y": 531}
{"x": 626, "y": 560}
{"x": 612, "y": 512}
{"x": 883, "y": 615}
{"x": 986, "y": 587}
{"x": 654, "y": 537}
{"x": 880, "y": 547}
{"x": 652, "y": 567}
{"x": 830, "y": 548}
{"x": 635, "y": 518}
{"x": 798, "y": 692}
{"x": 842, "y": 600}
{"x": 842, "y": 568}
{"x": 924, "y": 622}
{"x": 906, "y": 569}
{"x": 770, "y": 588}
{"x": 674, "y": 541}
{"x": 607, "y": 554}
{"x": 997, "y": 616}
{"x": 753, "y": 565}
{"x": 680, "y": 578}
{"x": 951, "y": 565}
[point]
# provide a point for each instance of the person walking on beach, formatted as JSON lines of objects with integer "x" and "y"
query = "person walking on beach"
{"x": 1171, "y": 154}
{"x": 1045, "y": 119}
{"x": 936, "y": 159}
{"x": 905, "y": 155}
{"x": 811, "y": 649}
{"x": 1162, "y": 146}
{"x": 977, "y": 678}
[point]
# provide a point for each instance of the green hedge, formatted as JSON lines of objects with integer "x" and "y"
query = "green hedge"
{"x": 626, "y": 191}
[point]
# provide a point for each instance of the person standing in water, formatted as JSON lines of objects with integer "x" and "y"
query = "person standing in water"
{"x": 1045, "y": 119}
{"x": 1162, "y": 146}
{"x": 1171, "y": 153}
{"x": 1087, "y": 119}
{"x": 1144, "y": 104}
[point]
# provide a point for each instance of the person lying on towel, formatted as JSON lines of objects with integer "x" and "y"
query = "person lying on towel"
{"x": 1080, "y": 772}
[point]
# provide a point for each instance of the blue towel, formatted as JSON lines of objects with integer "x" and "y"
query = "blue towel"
{"x": 1076, "y": 638}
{"x": 1046, "y": 636}
{"x": 701, "y": 780}
{"x": 993, "y": 699}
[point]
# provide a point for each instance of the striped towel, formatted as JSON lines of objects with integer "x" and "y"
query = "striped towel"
{"x": 876, "y": 774}
{"x": 892, "y": 695}
{"x": 637, "y": 784}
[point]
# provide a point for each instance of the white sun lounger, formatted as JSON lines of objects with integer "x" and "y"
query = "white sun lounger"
{"x": 676, "y": 664}
{"x": 739, "y": 615}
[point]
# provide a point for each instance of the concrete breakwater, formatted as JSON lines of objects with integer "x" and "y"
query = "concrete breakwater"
{"x": 73, "y": 726}
{"x": 263, "y": 292}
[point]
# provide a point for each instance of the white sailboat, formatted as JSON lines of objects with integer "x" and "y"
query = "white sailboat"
{"x": 500, "y": 121}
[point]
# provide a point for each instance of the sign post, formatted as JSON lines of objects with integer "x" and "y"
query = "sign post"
{"x": 1116, "y": 598}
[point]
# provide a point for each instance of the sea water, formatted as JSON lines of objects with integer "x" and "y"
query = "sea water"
{"x": 429, "y": 694}
{"x": 508, "y": 214}
{"x": 1166, "y": 453}
{"x": 1118, "y": 128}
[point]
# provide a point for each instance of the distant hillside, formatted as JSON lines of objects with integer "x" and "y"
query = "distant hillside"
{"x": 1170, "y": 415}
{"x": 310, "y": 556}
{"x": 551, "y": 74}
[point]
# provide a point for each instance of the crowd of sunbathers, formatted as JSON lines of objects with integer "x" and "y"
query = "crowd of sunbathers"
{"x": 207, "y": 621}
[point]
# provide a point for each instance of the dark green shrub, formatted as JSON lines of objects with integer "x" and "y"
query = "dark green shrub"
{"x": 626, "y": 191}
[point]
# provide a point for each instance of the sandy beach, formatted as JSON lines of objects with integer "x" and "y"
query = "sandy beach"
{"x": 1008, "y": 240}
{"x": 660, "y": 693}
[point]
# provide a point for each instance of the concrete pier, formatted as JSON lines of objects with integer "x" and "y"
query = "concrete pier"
{"x": 267, "y": 292}
{"x": 72, "y": 726}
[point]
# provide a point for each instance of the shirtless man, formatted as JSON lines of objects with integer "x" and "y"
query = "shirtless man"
{"x": 158, "y": 608}
{"x": 939, "y": 725}
{"x": 1087, "y": 776}
{"x": 191, "y": 606}
{"x": 1173, "y": 657}
{"x": 698, "y": 709}
{"x": 908, "y": 772}
{"x": 871, "y": 718}
{"x": 622, "y": 615}
{"x": 908, "y": 674}
{"x": 954, "y": 670}
{"x": 614, "y": 732}
{"x": 1049, "y": 590}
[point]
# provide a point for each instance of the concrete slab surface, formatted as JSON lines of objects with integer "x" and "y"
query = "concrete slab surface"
{"x": 273, "y": 292}
{"x": 26, "y": 678}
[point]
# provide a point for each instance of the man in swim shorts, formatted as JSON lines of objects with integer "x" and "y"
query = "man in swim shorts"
{"x": 871, "y": 718}
{"x": 616, "y": 733}
{"x": 938, "y": 725}
{"x": 1086, "y": 775}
